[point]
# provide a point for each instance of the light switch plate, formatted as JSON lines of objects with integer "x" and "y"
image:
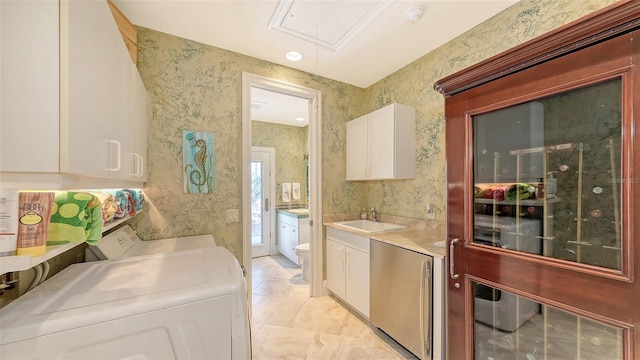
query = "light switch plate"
{"x": 431, "y": 212}
{"x": 233, "y": 215}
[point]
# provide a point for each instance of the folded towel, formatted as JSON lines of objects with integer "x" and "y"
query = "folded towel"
{"x": 502, "y": 192}
{"x": 520, "y": 191}
{"x": 490, "y": 191}
{"x": 138, "y": 198}
{"x": 108, "y": 203}
{"x": 76, "y": 216}
{"x": 122, "y": 203}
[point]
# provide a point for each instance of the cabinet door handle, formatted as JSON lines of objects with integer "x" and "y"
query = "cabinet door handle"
{"x": 452, "y": 261}
{"x": 139, "y": 165}
{"x": 118, "y": 147}
{"x": 347, "y": 263}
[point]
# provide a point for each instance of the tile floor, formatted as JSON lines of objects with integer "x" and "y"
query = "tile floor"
{"x": 288, "y": 324}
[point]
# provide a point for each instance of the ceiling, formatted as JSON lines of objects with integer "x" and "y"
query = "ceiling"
{"x": 358, "y": 42}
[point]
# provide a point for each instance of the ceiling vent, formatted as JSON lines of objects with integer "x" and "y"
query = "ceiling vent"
{"x": 330, "y": 24}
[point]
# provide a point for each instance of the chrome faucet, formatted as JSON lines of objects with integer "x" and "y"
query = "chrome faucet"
{"x": 374, "y": 214}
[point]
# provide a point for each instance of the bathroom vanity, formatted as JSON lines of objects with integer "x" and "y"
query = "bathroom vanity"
{"x": 293, "y": 229}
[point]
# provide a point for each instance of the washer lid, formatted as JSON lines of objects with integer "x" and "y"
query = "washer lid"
{"x": 91, "y": 293}
{"x": 171, "y": 245}
{"x": 124, "y": 242}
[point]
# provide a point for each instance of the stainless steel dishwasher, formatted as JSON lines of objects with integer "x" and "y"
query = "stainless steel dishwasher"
{"x": 401, "y": 296}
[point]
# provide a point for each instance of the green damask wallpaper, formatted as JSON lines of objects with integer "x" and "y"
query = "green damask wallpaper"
{"x": 196, "y": 87}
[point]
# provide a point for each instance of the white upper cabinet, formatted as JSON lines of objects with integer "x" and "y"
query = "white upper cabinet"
{"x": 86, "y": 111}
{"x": 381, "y": 145}
{"x": 29, "y": 86}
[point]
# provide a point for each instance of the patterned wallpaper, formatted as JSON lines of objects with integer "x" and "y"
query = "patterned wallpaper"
{"x": 196, "y": 87}
{"x": 291, "y": 144}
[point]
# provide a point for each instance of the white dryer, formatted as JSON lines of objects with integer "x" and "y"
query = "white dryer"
{"x": 124, "y": 242}
{"x": 189, "y": 304}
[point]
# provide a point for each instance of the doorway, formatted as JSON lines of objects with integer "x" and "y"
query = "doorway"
{"x": 262, "y": 200}
{"x": 314, "y": 178}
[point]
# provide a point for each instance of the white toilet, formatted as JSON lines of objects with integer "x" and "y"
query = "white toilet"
{"x": 302, "y": 251}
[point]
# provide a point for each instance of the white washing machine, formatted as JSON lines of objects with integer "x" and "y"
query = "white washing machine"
{"x": 189, "y": 304}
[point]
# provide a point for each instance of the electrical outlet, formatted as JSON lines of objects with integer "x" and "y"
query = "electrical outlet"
{"x": 431, "y": 212}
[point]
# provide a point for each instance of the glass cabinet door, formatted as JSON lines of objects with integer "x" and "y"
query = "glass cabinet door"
{"x": 547, "y": 183}
{"x": 543, "y": 197}
{"x": 547, "y": 176}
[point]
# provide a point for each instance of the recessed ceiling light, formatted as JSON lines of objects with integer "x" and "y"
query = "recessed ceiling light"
{"x": 300, "y": 119}
{"x": 293, "y": 55}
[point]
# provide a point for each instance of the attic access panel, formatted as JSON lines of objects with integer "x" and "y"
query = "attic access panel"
{"x": 330, "y": 24}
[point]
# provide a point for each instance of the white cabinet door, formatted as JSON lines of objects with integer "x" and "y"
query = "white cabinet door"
{"x": 29, "y": 86}
{"x": 95, "y": 136}
{"x": 335, "y": 268}
{"x": 139, "y": 117}
{"x": 382, "y": 143}
{"x": 358, "y": 149}
{"x": 282, "y": 237}
{"x": 287, "y": 239}
{"x": 357, "y": 279}
{"x": 292, "y": 239}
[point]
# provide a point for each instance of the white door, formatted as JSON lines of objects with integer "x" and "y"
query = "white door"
{"x": 262, "y": 208}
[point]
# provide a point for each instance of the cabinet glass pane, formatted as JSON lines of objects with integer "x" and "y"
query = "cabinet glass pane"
{"x": 547, "y": 176}
{"x": 508, "y": 326}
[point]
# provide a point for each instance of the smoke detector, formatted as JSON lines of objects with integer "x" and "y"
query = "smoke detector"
{"x": 413, "y": 14}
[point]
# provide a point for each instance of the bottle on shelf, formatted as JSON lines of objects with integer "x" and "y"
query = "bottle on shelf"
{"x": 540, "y": 190}
{"x": 552, "y": 185}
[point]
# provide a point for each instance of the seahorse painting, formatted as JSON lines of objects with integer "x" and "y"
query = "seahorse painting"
{"x": 198, "y": 161}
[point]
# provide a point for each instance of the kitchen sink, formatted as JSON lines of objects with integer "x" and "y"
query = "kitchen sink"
{"x": 368, "y": 226}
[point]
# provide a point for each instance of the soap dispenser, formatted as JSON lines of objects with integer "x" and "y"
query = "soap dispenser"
{"x": 363, "y": 214}
{"x": 552, "y": 185}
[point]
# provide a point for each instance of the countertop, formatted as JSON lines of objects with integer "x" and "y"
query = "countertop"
{"x": 296, "y": 215}
{"x": 419, "y": 236}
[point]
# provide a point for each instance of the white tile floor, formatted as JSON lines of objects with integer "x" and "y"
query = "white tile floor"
{"x": 288, "y": 324}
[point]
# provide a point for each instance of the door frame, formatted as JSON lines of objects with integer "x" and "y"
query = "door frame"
{"x": 271, "y": 153}
{"x": 314, "y": 96}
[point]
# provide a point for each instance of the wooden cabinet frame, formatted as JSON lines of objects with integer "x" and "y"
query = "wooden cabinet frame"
{"x": 603, "y": 45}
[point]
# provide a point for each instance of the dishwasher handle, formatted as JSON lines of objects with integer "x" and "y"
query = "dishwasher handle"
{"x": 425, "y": 329}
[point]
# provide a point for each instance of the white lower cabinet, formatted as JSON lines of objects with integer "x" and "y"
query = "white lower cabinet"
{"x": 348, "y": 268}
{"x": 292, "y": 231}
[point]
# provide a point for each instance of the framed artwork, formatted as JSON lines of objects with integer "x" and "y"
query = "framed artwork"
{"x": 197, "y": 160}
{"x": 286, "y": 192}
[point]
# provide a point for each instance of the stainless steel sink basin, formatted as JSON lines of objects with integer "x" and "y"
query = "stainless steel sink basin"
{"x": 368, "y": 226}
